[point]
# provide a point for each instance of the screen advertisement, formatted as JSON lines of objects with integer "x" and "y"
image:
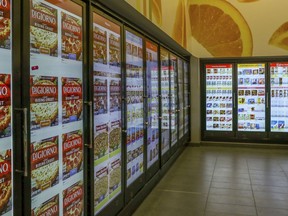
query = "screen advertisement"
{"x": 219, "y": 97}
{"x": 251, "y": 97}
{"x": 279, "y": 96}
{"x": 174, "y": 99}
{"x": 107, "y": 111}
{"x": 186, "y": 97}
{"x": 181, "y": 97}
{"x": 152, "y": 79}
{"x": 165, "y": 101}
{"x": 6, "y": 107}
{"x": 56, "y": 108}
{"x": 135, "y": 107}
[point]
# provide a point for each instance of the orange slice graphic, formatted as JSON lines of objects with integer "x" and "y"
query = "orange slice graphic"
{"x": 280, "y": 37}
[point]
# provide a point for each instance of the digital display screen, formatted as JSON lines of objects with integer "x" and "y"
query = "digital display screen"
{"x": 174, "y": 99}
{"x": 153, "y": 103}
{"x": 56, "y": 107}
{"x": 186, "y": 97}
{"x": 279, "y": 96}
{"x": 107, "y": 111}
{"x": 251, "y": 97}
{"x": 219, "y": 97}
{"x": 181, "y": 97}
{"x": 135, "y": 107}
{"x": 6, "y": 108}
{"x": 165, "y": 91}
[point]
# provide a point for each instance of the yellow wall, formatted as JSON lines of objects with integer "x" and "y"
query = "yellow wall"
{"x": 220, "y": 28}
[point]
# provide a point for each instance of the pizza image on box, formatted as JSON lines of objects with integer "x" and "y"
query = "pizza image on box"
{"x": 71, "y": 99}
{"x": 101, "y": 141}
{"x": 115, "y": 95}
{"x": 6, "y": 182}
{"x": 49, "y": 207}
{"x": 5, "y": 24}
{"x": 115, "y": 175}
{"x": 71, "y": 37}
{"x": 101, "y": 185}
{"x": 114, "y": 50}
{"x": 115, "y": 136}
{"x": 100, "y": 45}
{"x": 100, "y": 96}
{"x": 43, "y": 29}
{"x": 44, "y": 101}
{"x": 72, "y": 149}
{"x": 73, "y": 198}
{"x": 5, "y": 105}
{"x": 44, "y": 164}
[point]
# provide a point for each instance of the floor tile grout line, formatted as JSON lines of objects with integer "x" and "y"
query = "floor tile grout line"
{"x": 206, "y": 203}
{"x": 252, "y": 187}
{"x": 282, "y": 170}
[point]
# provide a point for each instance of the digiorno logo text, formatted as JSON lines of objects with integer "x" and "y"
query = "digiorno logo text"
{"x": 45, "y": 153}
{"x": 73, "y": 143}
{"x": 72, "y": 89}
{"x": 4, "y": 91}
{"x": 73, "y": 196}
{"x": 5, "y": 168}
{"x": 44, "y": 90}
{"x": 4, "y": 3}
{"x": 39, "y": 15}
{"x": 53, "y": 210}
{"x": 73, "y": 28}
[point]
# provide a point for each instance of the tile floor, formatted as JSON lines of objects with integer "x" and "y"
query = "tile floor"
{"x": 222, "y": 181}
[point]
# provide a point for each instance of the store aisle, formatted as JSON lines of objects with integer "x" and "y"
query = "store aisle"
{"x": 222, "y": 181}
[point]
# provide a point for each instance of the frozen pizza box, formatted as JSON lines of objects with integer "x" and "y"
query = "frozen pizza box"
{"x": 100, "y": 185}
{"x": 101, "y": 141}
{"x": 5, "y": 182}
{"x": 115, "y": 136}
{"x": 100, "y": 45}
{"x": 73, "y": 200}
{"x": 49, "y": 207}
{"x": 114, "y": 175}
{"x": 5, "y": 24}
{"x": 5, "y": 105}
{"x": 72, "y": 148}
{"x": 115, "y": 95}
{"x": 71, "y": 37}
{"x": 100, "y": 96}
{"x": 114, "y": 50}
{"x": 72, "y": 102}
{"x": 44, "y": 101}
{"x": 44, "y": 165}
{"x": 43, "y": 29}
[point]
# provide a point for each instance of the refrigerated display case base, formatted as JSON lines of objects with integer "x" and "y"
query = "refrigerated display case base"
{"x": 141, "y": 195}
{"x": 245, "y": 145}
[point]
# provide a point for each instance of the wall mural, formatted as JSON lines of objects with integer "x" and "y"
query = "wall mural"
{"x": 222, "y": 28}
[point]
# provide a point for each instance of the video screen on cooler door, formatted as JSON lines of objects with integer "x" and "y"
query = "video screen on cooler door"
{"x": 219, "y": 97}
{"x": 6, "y": 107}
{"x": 279, "y": 96}
{"x": 56, "y": 105}
{"x": 152, "y": 86}
{"x": 251, "y": 97}
{"x": 135, "y": 107}
{"x": 107, "y": 111}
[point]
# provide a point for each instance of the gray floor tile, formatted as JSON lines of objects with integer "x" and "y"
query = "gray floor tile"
{"x": 231, "y": 192}
{"x": 272, "y": 212}
{"x": 231, "y": 180}
{"x": 231, "y": 199}
{"x": 231, "y": 186}
{"x": 231, "y": 209}
{"x": 272, "y": 189}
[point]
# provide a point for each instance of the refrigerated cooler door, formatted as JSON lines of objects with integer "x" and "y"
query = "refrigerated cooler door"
{"x": 181, "y": 97}
{"x": 56, "y": 107}
{"x": 107, "y": 111}
{"x": 251, "y": 97}
{"x": 174, "y": 99}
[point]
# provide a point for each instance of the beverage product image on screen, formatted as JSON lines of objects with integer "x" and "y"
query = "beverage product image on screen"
{"x": 219, "y": 97}
{"x": 174, "y": 99}
{"x": 186, "y": 97}
{"x": 56, "y": 107}
{"x": 153, "y": 103}
{"x": 251, "y": 97}
{"x": 107, "y": 111}
{"x": 135, "y": 107}
{"x": 181, "y": 97}
{"x": 279, "y": 96}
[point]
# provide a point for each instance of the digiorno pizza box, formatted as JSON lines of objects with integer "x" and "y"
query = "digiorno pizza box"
{"x": 115, "y": 95}
{"x": 44, "y": 164}
{"x": 100, "y": 45}
{"x": 72, "y": 149}
{"x": 5, "y": 182}
{"x": 101, "y": 141}
{"x": 43, "y": 29}
{"x": 114, "y": 175}
{"x": 5, "y": 23}
{"x": 5, "y": 105}
{"x": 49, "y": 207}
{"x": 101, "y": 184}
{"x": 44, "y": 101}
{"x": 72, "y": 103}
{"x": 73, "y": 200}
{"x": 114, "y": 50}
{"x": 71, "y": 37}
{"x": 100, "y": 96}
{"x": 115, "y": 135}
